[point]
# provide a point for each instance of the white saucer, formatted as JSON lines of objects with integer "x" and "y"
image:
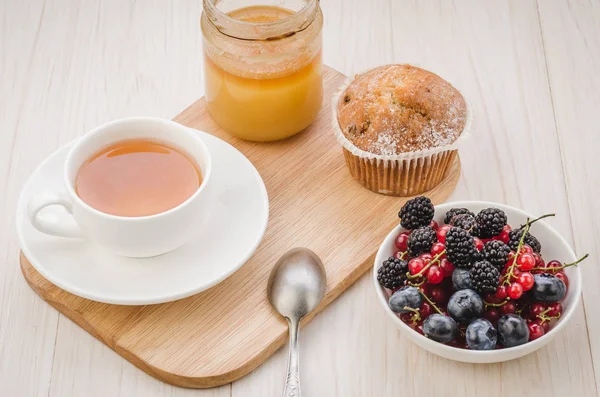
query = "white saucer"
{"x": 232, "y": 232}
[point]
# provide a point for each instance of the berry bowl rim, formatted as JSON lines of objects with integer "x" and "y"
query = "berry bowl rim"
{"x": 490, "y": 356}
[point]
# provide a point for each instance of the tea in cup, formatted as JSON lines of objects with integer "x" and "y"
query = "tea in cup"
{"x": 135, "y": 186}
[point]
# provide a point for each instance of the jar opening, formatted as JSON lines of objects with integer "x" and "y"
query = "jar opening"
{"x": 303, "y": 14}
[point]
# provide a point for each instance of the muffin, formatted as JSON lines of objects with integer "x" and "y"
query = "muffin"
{"x": 399, "y": 127}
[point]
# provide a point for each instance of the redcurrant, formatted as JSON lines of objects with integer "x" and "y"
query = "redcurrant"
{"x": 447, "y": 267}
{"x": 401, "y": 241}
{"x": 525, "y": 249}
{"x": 478, "y": 243}
{"x": 535, "y": 330}
{"x": 562, "y": 276}
{"x": 441, "y": 233}
{"x": 435, "y": 275}
{"x": 491, "y": 298}
{"x": 437, "y": 249}
{"x": 501, "y": 292}
{"x": 504, "y": 234}
{"x": 526, "y": 280}
{"x": 546, "y": 326}
{"x": 400, "y": 254}
{"x": 552, "y": 265}
{"x": 536, "y": 309}
{"x": 425, "y": 288}
{"x": 407, "y": 318}
{"x": 438, "y": 294}
{"x": 425, "y": 311}
{"x": 515, "y": 290}
{"x": 515, "y": 274}
{"x": 415, "y": 265}
{"x": 492, "y": 314}
{"x": 556, "y": 309}
{"x": 508, "y": 308}
{"x": 526, "y": 262}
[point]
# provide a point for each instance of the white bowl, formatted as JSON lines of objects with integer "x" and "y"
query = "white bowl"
{"x": 553, "y": 247}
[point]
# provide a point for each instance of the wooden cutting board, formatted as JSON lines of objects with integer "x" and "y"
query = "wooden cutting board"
{"x": 221, "y": 334}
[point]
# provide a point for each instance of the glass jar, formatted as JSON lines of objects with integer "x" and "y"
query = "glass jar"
{"x": 263, "y": 66}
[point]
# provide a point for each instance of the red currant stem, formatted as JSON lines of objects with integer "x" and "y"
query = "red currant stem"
{"x": 519, "y": 312}
{"x": 543, "y": 318}
{"x": 577, "y": 261}
{"x": 434, "y": 260}
{"x": 544, "y": 312}
{"x": 563, "y": 266}
{"x": 417, "y": 284}
{"x": 416, "y": 316}
{"x": 437, "y": 309}
{"x": 510, "y": 272}
{"x": 487, "y": 304}
{"x": 537, "y": 219}
{"x": 403, "y": 254}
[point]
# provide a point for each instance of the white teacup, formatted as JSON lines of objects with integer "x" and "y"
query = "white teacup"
{"x": 140, "y": 237}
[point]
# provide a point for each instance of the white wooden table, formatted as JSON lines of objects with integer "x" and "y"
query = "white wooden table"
{"x": 530, "y": 68}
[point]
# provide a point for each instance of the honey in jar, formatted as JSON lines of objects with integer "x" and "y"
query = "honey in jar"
{"x": 263, "y": 67}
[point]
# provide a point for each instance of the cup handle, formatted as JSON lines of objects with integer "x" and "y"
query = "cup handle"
{"x": 52, "y": 226}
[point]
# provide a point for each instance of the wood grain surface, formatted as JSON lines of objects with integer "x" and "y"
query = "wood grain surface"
{"x": 529, "y": 67}
{"x": 220, "y": 335}
{"x": 217, "y": 336}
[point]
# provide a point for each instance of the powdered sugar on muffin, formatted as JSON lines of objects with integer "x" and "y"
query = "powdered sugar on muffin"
{"x": 398, "y": 109}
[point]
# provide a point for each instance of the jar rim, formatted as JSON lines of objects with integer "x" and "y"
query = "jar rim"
{"x": 261, "y": 31}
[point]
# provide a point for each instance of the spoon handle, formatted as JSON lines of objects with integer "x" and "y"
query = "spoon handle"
{"x": 292, "y": 380}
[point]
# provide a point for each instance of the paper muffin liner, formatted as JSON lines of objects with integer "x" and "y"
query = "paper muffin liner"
{"x": 405, "y": 174}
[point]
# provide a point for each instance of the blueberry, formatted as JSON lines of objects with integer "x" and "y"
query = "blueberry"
{"x": 406, "y": 297}
{"x": 440, "y": 328}
{"x": 513, "y": 330}
{"x": 461, "y": 279}
{"x": 548, "y": 288}
{"x": 481, "y": 335}
{"x": 465, "y": 306}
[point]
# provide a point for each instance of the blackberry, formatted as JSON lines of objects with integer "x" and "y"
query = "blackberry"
{"x": 421, "y": 240}
{"x": 392, "y": 273}
{"x": 514, "y": 236}
{"x": 484, "y": 277}
{"x": 454, "y": 212}
{"x": 491, "y": 221}
{"x": 496, "y": 252}
{"x": 466, "y": 222}
{"x": 416, "y": 213}
{"x": 460, "y": 247}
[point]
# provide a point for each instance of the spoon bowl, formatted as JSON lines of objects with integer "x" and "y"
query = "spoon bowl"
{"x": 297, "y": 283}
{"x": 296, "y": 287}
